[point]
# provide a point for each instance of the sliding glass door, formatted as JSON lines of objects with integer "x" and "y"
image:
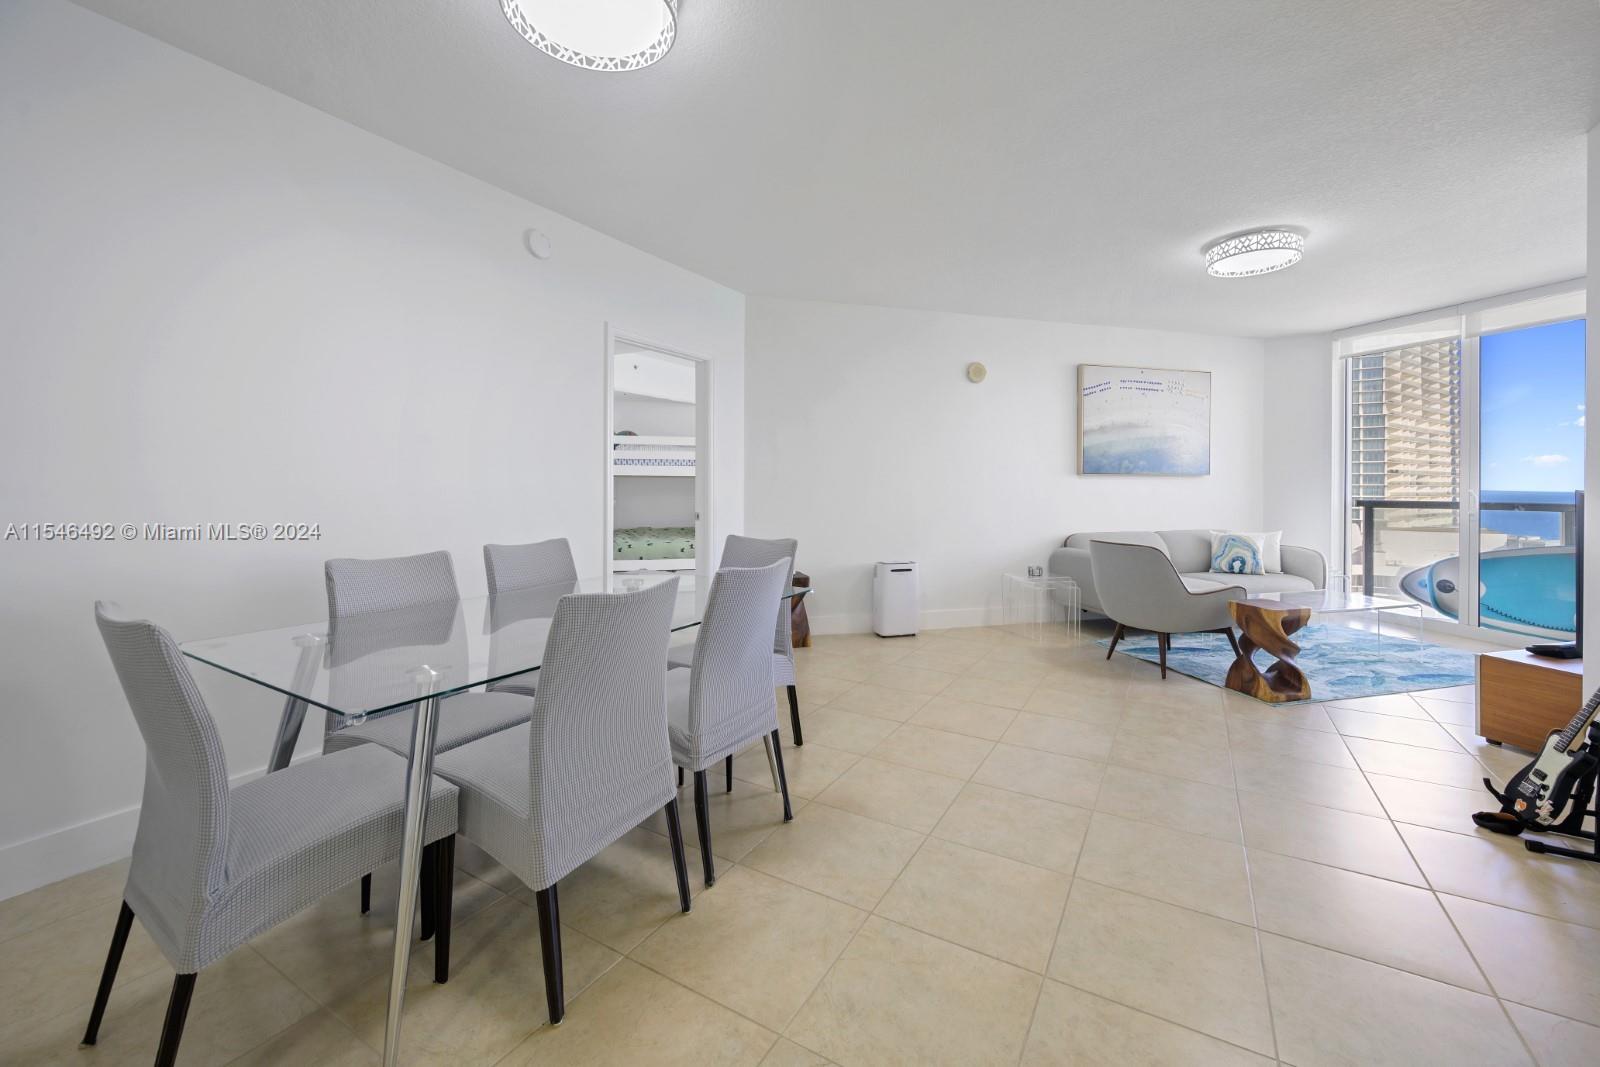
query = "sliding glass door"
{"x": 1530, "y": 429}
{"x": 1404, "y": 427}
{"x": 1464, "y": 465}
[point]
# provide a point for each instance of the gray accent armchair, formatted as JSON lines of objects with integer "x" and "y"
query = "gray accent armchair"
{"x": 1140, "y": 589}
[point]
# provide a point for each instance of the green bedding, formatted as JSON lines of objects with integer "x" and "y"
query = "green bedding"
{"x": 653, "y": 542}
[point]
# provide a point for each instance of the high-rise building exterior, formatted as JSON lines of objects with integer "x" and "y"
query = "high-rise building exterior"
{"x": 1405, "y": 438}
{"x": 1405, "y": 423}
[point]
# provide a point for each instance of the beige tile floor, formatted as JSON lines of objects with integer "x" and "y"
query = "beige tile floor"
{"x": 1002, "y": 852}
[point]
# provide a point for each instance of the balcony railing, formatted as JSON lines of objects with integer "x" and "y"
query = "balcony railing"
{"x": 1571, "y": 523}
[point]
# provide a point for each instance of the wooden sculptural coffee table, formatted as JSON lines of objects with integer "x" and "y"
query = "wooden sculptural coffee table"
{"x": 1267, "y": 624}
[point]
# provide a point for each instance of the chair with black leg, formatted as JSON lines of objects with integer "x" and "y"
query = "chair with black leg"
{"x": 214, "y": 866}
{"x": 591, "y": 764}
{"x": 748, "y": 552}
{"x": 723, "y": 702}
{"x": 381, "y": 613}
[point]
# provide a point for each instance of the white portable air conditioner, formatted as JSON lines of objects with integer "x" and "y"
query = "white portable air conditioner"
{"x": 896, "y": 599}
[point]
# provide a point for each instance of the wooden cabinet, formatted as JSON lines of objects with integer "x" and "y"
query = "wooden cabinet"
{"x": 1522, "y": 697}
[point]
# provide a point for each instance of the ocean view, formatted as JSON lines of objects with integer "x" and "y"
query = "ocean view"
{"x": 1545, "y": 525}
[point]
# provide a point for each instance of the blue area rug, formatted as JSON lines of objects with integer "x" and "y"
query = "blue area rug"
{"x": 1341, "y": 662}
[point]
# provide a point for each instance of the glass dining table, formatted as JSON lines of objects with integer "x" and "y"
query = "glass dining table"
{"x": 357, "y": 668}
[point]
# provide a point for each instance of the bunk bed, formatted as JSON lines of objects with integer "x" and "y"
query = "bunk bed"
{"x": 652, "y": 456}
{"x": 664, "y": 546}
{"x": 653, "y": 548}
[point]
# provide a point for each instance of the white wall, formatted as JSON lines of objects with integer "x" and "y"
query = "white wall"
{"x": 652, "y": 415}
{"x": 866, "y": 442}
{"x": 1300, "y": 421}
{"x": 220, "y": 304}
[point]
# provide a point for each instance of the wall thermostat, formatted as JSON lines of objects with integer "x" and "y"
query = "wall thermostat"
{"x": 976, "y": 372}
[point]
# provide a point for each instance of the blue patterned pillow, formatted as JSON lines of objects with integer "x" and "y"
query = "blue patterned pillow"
{"x": 1236, "y": 553}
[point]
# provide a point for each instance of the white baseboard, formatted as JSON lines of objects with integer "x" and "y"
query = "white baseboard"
{"x": 38, "y": 861}
{"x": 936, "y": 619}
{"x": 27, "y": 865}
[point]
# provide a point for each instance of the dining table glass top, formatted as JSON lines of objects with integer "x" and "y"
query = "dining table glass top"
{"x": 369, "y": 664}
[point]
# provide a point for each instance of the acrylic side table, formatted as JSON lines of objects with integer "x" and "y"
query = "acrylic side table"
{"x": 1029, "y": 604}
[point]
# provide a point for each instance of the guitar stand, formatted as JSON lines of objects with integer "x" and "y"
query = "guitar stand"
{"x": 1572, "y": 825}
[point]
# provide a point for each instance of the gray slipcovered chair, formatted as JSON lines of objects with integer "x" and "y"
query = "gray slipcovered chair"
{"x": 744, "y": 552}
{"x": 214, "y": 866}
{"x": 364, "y": 588}
{"x": 510, "y": 567}
{"x": 1140, "y": 589}
{"x": 542, "y": 565}
{"x": 723, "y": 702}
{"x": 381, "y": 612}
{"x": 592, "y": 763}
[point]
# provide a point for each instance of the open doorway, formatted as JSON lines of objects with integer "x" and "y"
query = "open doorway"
{"x": 658, "y": 459}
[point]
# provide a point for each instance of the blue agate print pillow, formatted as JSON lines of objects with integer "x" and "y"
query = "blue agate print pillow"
{"x": 1236, "y": 553}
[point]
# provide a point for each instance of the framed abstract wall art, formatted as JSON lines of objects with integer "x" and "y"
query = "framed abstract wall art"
{"x": 1137, "y": 420}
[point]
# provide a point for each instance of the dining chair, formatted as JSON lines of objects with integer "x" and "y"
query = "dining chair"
{"x": 382, "y": 608}
{"x": 592, "y": 763}
{"x": 379, "y": 590}
{"x": 511, "y": 567}
{"x": 214, "y": 865}
{"x": 745, "y": 552}
{"x": 723, "y": 702}
{"x": 542, "y": 565}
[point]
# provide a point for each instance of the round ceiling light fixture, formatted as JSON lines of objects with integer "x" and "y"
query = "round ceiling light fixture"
{"x": 1256, "y": 252}
{"x": 597, "y": 34}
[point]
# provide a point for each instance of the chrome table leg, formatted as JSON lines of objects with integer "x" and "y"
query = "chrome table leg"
{"x": 419, "y": 777}
{"x": 294, "y": 709}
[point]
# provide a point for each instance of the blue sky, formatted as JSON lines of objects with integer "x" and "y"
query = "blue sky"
{"x": 1532, "y": 408}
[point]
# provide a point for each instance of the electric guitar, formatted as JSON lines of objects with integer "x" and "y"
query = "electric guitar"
{"x": 1540, "y": 794}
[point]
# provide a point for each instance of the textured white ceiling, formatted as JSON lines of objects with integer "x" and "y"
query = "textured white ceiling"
{"x": 1052, "y": 159}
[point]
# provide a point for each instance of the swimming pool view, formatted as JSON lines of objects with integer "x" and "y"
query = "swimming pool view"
{"x": 1407, "y": 407}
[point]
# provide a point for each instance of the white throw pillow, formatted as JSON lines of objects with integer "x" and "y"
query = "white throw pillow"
{"x": 1236, "y": 553}
{"x": 1271, "y": 549}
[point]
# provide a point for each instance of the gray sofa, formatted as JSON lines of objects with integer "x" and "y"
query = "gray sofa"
{"x": 1190, "y": 553}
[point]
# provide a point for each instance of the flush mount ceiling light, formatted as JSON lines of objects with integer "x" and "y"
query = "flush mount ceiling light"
{"x": 1257, "y": 252}
{"x": 597, "y": 34}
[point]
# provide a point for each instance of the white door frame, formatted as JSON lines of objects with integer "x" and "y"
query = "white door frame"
{"x": 703, "y": 423}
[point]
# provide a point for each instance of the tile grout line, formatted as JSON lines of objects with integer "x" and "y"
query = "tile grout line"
{"x": 1255, "y": 913}
{"x": 81, "y": 912}
{"x": 1061, "y": 919}
{"x": 703, "y": 996}
{"x": 1434, "y": 892}
{"x": 317, "y": 1008}
{"x": 124, "y": 978}
{"x": 1044, "y": 975}
{"x": 1162, "y": 1018}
